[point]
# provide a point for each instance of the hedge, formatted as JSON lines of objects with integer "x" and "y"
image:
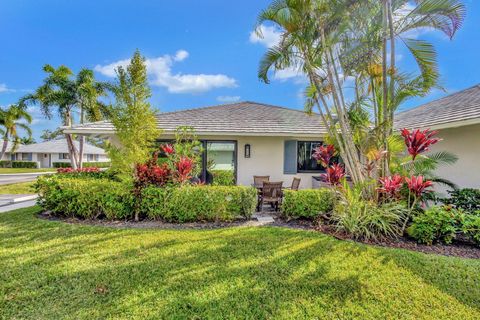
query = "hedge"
{"x": 198, "y": 203}
{"x": 85, "y": 198}
{"x": 223, "y": 177}
{"x": 18, "y": 164}
{"x": 85, "y": 164}
{"x": 307, "y": 203}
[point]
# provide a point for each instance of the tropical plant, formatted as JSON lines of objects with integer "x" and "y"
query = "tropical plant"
{"x": 12, "y": 119}
{"x": 133, "y": 117}
{"x": 332, "y": 41}
{"x": 27, "y": 140}
{"x": 467, "y": 199}
{"x": 67, "y": 94}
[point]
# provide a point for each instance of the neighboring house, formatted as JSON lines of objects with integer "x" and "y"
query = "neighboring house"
{"x": 48, "y": 152}
{"x": 258, "y": 139}
{"x": 457, "y": 118}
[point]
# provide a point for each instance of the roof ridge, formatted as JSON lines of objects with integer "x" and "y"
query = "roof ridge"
{"x": 231, "y": 104}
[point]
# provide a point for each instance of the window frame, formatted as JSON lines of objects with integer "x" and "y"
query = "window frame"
{"x": 299, "y": 142}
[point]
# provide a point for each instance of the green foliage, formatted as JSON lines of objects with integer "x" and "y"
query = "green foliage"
{"x": 471, "y": 227}
{"x": 223, "y": 177}
{"x": 307, "y": 203}
{"x": 198, "y": 203}
{"x": 133, "y": 117}
{"x": 436, "y": 224}
{"x": 99, "y": 164}
{"x": 18, "y": 164}
{"x": 365, "y": 219}
{"x": 188, "y": 146}
{"x": 467, "y": 199}
{"x": 85, "y": 198}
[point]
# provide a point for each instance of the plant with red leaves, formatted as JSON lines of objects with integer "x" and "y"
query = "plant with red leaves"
{"x": 79, "y": 170}
{"x": 167, "y": 148}
{"x": 334, "y": 174}
{"x": 151, "y": 173}
{"x": 324, "y": 154}
{"x": 391, "y": 185}
{"x": 417, "y": 185}
{"x": 418, "y": 141}
{"x": 184, "y": 168}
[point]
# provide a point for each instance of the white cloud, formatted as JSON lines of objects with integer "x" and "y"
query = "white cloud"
{"x": 269, "y": 36}
{"x": 160, "y": 71}
{"x": 225, "y": 99}
{"x": 4, "y": 88}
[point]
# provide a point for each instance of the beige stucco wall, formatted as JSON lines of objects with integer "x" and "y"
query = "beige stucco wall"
{"x": 464, "y": 142}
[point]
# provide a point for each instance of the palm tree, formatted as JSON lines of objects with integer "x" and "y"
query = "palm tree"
{"x": 10, "y": 121}
{"x": 331, "y": 41}
{"x": 67, "y": 95}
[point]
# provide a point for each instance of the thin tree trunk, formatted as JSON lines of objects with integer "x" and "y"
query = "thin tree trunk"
{"x": 71, "y": 146}
{"x": 385, "y": 122}
{"x": 392, "y": 67}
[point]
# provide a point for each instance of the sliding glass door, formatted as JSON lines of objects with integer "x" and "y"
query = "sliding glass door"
{"x": 220, "y": 162}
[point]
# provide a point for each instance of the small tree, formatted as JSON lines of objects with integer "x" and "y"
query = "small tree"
{"x": 132, "y": 117}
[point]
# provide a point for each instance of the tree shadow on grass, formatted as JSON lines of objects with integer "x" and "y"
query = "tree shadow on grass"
{"x": 95, "y": 272}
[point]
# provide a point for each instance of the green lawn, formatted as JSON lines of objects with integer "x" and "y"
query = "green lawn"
{"x": 53, "y": 270}
{"x": 25, "y": 170}
{"x": 17, "y": 188}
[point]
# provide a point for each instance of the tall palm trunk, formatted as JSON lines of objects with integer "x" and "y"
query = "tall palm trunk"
{"x": 71, "y": 146}
{"x": 5, "y": 145}
{"x": 392, "y": 67}
{"x": 82, "y": 140}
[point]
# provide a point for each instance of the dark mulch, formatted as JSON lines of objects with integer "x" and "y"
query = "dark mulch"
{"x": 456, "y": 249}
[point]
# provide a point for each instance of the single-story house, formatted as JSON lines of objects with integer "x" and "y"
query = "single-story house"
{"x": 259, "y": 139}
{"x": 457, "y": 118}
{"x": 48, "y": 152}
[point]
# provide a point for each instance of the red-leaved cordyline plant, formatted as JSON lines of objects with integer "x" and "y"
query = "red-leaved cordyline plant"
{"x": 417, "y": 185}
{"x": 184, "y": 169}
{"x": 151, "y": 173}
{"x": 418, "y": 141}
{"x": 324, "y": 154}
{"x": 168, "y": 149}
{"x": 334, "y": 174}
{"x": 391, "y": 185}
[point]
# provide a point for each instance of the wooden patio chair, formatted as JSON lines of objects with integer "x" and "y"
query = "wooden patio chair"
{"x": 271, "y": 193}
{"x": 259, "y": 180}
{"x": 295, "y": 184}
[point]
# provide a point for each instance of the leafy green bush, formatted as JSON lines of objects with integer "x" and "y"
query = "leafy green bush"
{"x": 85, "y": 198}
{"x": 467, "y": 199}
{"x": 198, "y": 203}
{"x": 223, "y": 177}
{"x": 105, "y": 174}
{"x": 471, "y": 228}
{"x": 436, "y": 224}
{"x": 85, "y": 164}
{"x": 18, "y": 164}
{"x": 307, "y": 203}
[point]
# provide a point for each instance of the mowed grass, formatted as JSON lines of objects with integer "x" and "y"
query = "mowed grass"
{"x": 25, "y": 170}
{"x": 53, "y": 270}
{"x": 18, "y": 188}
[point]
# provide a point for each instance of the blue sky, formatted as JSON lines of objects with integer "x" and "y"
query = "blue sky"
{"x": 200, "y": 52}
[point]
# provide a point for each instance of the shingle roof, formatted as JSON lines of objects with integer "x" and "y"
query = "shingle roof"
{"x": 243, "y": 118}
{"x": 55, "y": 146}
{"x": 460, "y": 106}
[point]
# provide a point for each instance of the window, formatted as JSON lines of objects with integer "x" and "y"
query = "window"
{"x": 305, "y": 162}
{"x": 92, "y": 157}
{"x": 63, "y": 156}
{"x": 26, "y": 157}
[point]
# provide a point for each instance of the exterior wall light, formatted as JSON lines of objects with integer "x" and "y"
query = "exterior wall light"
{"x": 247, "y": 150}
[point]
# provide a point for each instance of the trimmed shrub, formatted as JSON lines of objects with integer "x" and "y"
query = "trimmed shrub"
{"x": 466, "y": 199}
{"x": 85, "y": 164}
{"x": 307, "y": 203}
{"x": 223, "y": 177}
{"x": 85, "y": 198}
{"x": 471, "y": 228}
{"x": 87, "y": 173}
{"x": 436, "y": 224}
{"x": 18, "y": 164}
{"x": 198, "y": 203}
